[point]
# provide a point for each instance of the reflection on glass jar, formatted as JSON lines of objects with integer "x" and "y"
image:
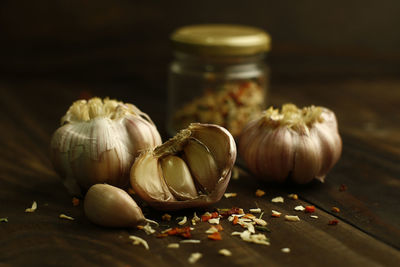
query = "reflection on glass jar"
{"x": 218, "y": 76}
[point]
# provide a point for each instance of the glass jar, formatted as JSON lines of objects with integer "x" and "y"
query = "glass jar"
{"x": 218, "y": 76}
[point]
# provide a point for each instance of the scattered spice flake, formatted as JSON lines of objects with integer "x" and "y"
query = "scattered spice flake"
{"x": 215, "y": 236}
{"x": 293, "y": 196}
{"x": 310, "y": 209}
{"x": 148, "y": 230}
{"x": 277, "y": 200}
{"x": 173, "y": 245}
{"x": 183, "y": 221}
{"x": 299, "y": 208}
{"x": 229, "y": 212}
{"x": 194, "y": 257}
{"x": 342, "y": 187}
{"x": 276, "y": 214}
{"x": 258, "y": 210}
{"x": 195, "y": 219}
{"x": 254, "y": 238}
{"x": 183, "y": 232}
{"x": 333, "y": 222}
{"x": 225, "y": 252}
{"x": 335, "y": 209}
{"x": 314, "y": 216}
{"x": 5, "y": 220}
{"x": 260, "y": 193}
{"x": 262, "y": 229}
{"x": 166, "y": 217}
{"x": 206, "y": 216}
{"x": 214, "y": 214}
{"x": 214, "y": 221}
{"x": 66, "y": 217}
{"x": 248, "y": 226}
{"x": 75, "y": 201}
{"x": 249, "y": 216}
{"x": 139, "y": 241}
{"x": 260, "y": 222}
{"x": 190, "y": 241}
{"x": 235, "y": 220}
{"x": 228, "y": 195}
{"x": 214, "y": 228}
{"x": 285, "y": 250}
{"x": 292, "y": 218}
{"x": 33, "y": 208}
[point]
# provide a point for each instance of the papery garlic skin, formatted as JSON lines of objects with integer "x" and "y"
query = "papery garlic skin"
{"x": 110, "y": 206}
{"x": 207, "y": 150}
{"x": 98, "y": 142}
{"x": 291, "y": 144}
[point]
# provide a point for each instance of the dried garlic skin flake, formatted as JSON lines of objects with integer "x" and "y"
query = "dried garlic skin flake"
{"x": 194, "y": 257}
{"x": 225, "y": 252}
{"x": 291, "y": 143}
{"x": 33, "y": 208}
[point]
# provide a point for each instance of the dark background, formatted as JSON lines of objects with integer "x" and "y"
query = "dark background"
{"x": 128, "y": 40}
{"x": 121, "y": 48}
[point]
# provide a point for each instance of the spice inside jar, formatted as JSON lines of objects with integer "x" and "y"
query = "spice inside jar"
{"x": 218, "y": 76}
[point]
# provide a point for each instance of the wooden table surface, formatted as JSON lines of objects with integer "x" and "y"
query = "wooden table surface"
{"x": 368, "y": 232}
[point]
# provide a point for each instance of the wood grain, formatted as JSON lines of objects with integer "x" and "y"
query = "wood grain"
{"x": 367, "y": 233}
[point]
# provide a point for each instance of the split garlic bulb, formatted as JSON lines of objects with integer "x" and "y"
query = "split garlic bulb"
{"x": 295, "y": 144}
{"x": 190, "y": 170}
{"x": 98, "y": 142}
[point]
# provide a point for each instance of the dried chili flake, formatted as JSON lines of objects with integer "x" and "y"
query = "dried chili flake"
{"x": 205, "y": 218}
{"x": 183, "y": 232}
{"x": 342, "y": 187}
{"x": 166, "y": 217}
{"x": 235, "y": 220}
{"x": 310, "y": 209}
{"x": 75, "y": 201}
{"x": 333, "y": 222}
{"x": 275, "y": 214}
{"x": 229, "y": 212}
{"x": 214, "y": 214}
{"x": 259, "y": 193}
{"x": 335, "y": 209}
{"x": 215, "y": 236}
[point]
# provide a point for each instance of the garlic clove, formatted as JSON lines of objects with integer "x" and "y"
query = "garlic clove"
{"x": 147, "y": 179}
{"x": 177, "y": 176}
{"x": 276, "y": 161}
{"x": 221, "y": 146}
{"x": 202, "y": 164}
{"x": 110, "y": 206}
{"x": 307, "y": 159}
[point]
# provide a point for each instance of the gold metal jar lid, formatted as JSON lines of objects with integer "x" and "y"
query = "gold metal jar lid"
{"x": 221, "y": 40}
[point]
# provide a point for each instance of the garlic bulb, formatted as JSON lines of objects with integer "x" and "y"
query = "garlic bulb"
{"x": 110, "y": 206}
{"x": 98, "y": 142}
{"x": 295, "y": 144}
{"x": 190, "y": 170}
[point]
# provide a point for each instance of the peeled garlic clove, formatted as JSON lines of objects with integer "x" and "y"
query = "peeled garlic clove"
{"x": 98, "y": 142}
{"x": 190, "y": 170}
{"x": 295, "y": 144}
{"x": 110, "y": 206}
{"x": 177, "y": 176}
{"x": 202, "y": 164}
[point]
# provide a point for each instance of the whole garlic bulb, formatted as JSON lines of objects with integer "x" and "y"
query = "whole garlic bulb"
{"x": 190, "y": 170}
{"x": 111, "y": 206}
{"x": 98, "y": 142}
{"x": 295, "y": 144}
